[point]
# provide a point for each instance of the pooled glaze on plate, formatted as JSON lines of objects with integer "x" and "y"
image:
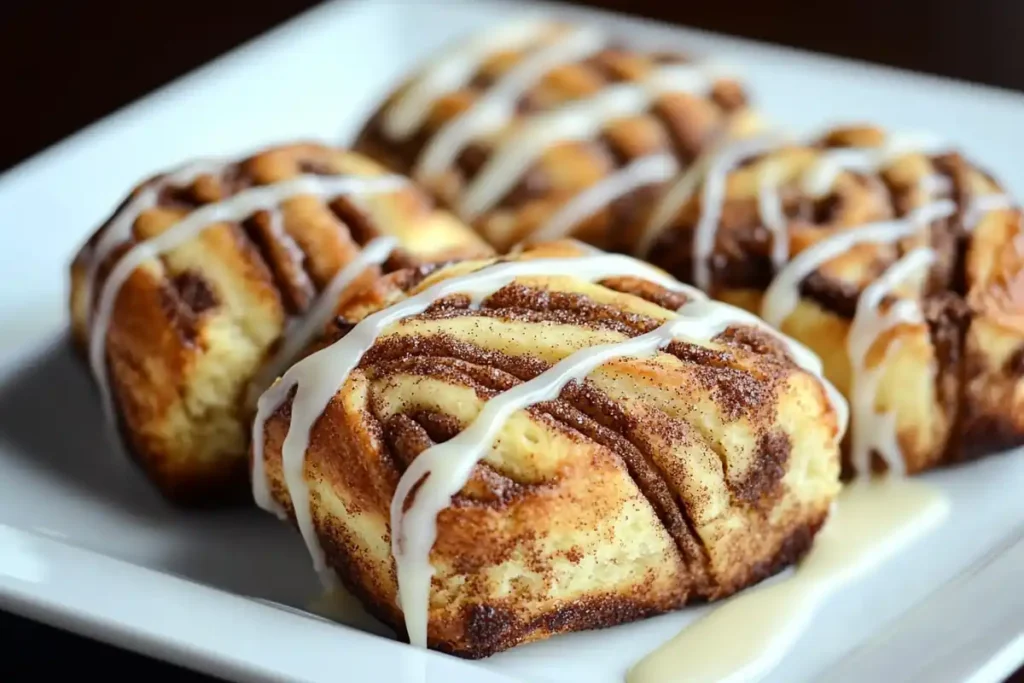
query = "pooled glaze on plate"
{"x": 749, "y": 634}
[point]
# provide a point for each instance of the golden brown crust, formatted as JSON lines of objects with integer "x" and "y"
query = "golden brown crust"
{"x": 680, "y": 123}
{"x": 964, "y": 402}
{"x": 658, "y": 481}
{"x": 950, "y": 383}
{"x": 190, "y": 329}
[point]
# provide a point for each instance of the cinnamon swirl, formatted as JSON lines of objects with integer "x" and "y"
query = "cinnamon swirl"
{"x": 532, "y": 129}
{"x": 207, "y": 281}
{"x": 501, "y": 450}
{"x": 892, "y": 256}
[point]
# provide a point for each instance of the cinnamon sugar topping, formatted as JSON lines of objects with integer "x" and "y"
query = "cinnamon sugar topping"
{"x": 441, "y": 470}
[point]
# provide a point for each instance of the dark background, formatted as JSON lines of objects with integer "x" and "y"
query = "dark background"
{"x": 66, "y": 63}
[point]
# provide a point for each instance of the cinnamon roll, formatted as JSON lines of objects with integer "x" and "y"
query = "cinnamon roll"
{"x": 893, "y": 257}
{"x": 500, "y": 450}
{"x": 545, "y": 129}
{"x": 207, "y": 281}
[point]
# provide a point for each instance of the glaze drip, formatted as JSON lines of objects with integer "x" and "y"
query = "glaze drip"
{"x": 297, "y": 338}
{"x": 873, "y": 432}
{"x": 119, "y": 230}
{"x": 648, "y": 170}
{"x": 444, "y": 469}
{"x": 578, "y": 120}
{"x": 301, "y": 332}
{"x": 233, "y": 210}
{"x": 495, "y": 109}
{"x": 869, "y": 429}
{"x": 452, "y": 71}
{"x": 709, "y": 176}
{"x": 744, "y": 638}
{"x": 546, "y": 46}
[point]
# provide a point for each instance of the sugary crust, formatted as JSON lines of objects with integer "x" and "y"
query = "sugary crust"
{"x": 953, "y": 382}
{"x": 966, "y": 399}
{"x": 657, "y": 482}
{"x": 190, "y": 329}
{"x": 681, "y": 123}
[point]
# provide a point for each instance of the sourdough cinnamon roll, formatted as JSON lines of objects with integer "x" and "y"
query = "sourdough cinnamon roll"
{"x": 209, "y": 279}
{"x": 544, "y": 129}
{"x": 892, "y": 256}
{"x": 496, "y": 451}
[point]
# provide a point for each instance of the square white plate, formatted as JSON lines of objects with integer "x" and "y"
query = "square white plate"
{"x": 86, "y": 544}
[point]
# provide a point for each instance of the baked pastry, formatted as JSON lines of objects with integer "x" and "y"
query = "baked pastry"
{"x": 540, "y": 443}
{"x": 898, "y": 261}
{"x": 533, "y": 128}
{"x": 209, "y": 277}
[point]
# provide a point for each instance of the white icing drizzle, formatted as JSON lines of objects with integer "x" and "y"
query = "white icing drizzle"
{"x": 714, "y": 168}
{"x": 782, "y": 296}
{"x": 821, "y": 176}
{"x": 982, "y": 205}
{"x": 301, "y": 331}
{"x": 869, "y": 430}
{"x": 714, "y": 173}
{"x": 655, "y": 168}
{"x": 713, "y": 200}
{"x": 769, "y": 205}
{"x": 934, "y": 184}
{"x": 873, "y": 431}
{"x": 578, "y": 120}
{"x": 497, "y": 107}
{"x": 119, "y": 229}
{"x": 297, "y": 338}
{"x": 235, "y": 209}
{"x": 452, "y": 71}
{"x": 317, "y": 378}
{"x": 549, "y": 47}
{"x": 445, "y": 468}
{"x": 746, "y": 637}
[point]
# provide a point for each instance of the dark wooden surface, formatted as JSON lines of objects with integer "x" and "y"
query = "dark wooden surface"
{"x": 68, "y": 63}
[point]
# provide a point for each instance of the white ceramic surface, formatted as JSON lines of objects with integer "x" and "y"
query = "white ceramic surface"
{"x": 85, "y": 543}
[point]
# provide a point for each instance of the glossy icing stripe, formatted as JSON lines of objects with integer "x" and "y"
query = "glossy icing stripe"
{"x": 454, "y": 70}
{"x": 495, "y": 108}
{"x": 641, "y": 172}
{"x": 118, "y": 230}
{"x": 305, "y": 328}
{"x": 317, "y": 378}
{"x": 577, "y": 120}
{"x": 873, "y": 431}
{"x": 231, "y": 210}
{"x": 298, "y": 338}
{"x": 709, "y": 175}
{"x": 441, "y": 471}
{"x": 782, "y": 296}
